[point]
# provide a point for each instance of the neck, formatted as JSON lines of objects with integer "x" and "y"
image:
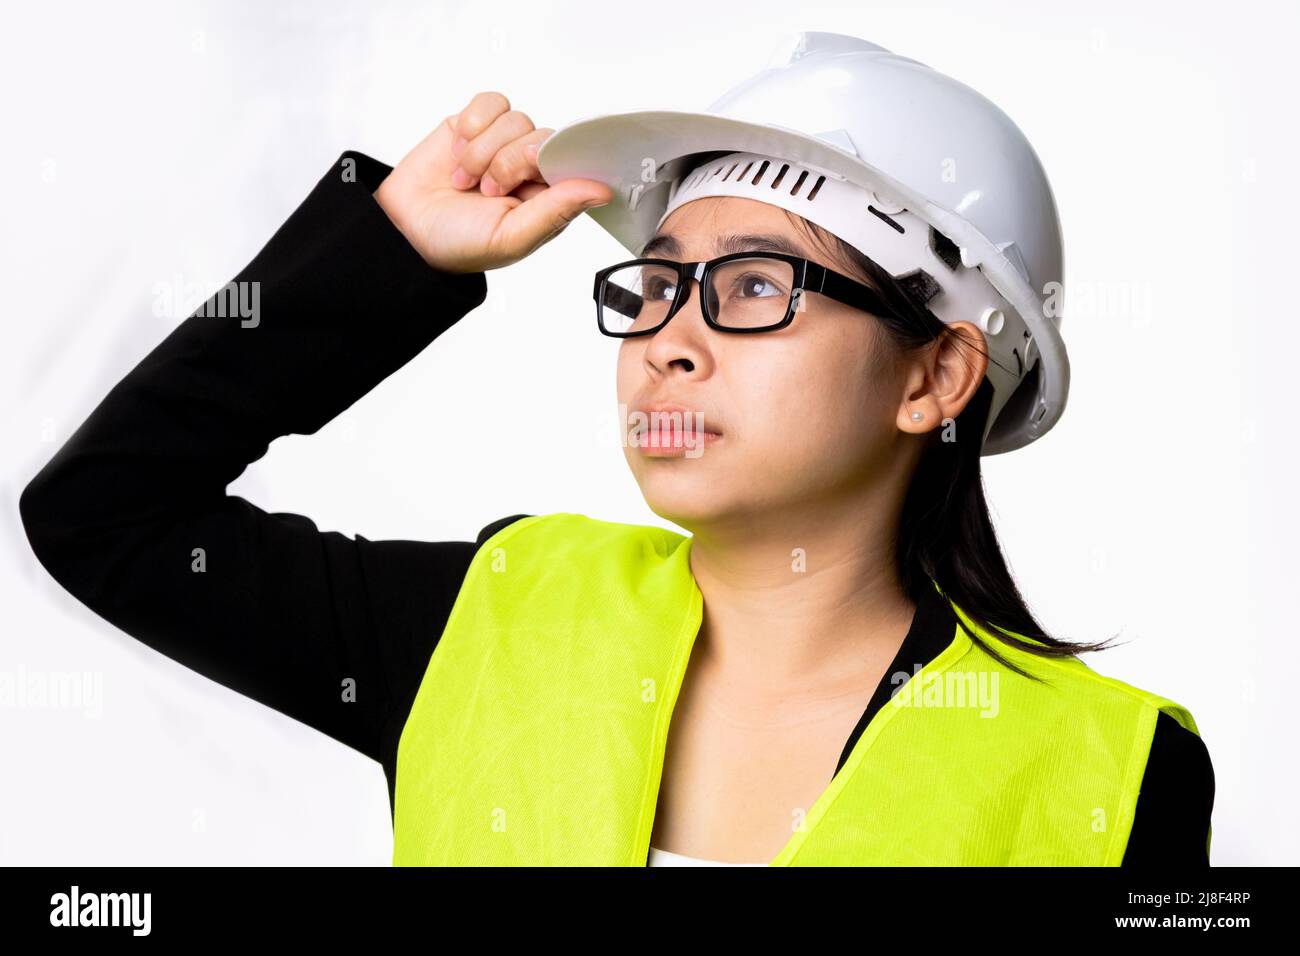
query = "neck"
{"x": 804, "y": 607}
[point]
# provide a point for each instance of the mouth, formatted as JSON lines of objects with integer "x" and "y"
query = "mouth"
{"x": 671, "y": 430}
{"x": 673, "y": 445}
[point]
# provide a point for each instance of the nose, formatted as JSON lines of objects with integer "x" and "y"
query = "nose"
{"x": 683, "y": 339}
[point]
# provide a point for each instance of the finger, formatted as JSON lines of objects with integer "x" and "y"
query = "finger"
{"x": 478, "y": 115}
{"x": 516, "y": 163}
{"x": 480, "y": 151}
{"x": 549, "y": 211}
{"x": 432, "y": 155}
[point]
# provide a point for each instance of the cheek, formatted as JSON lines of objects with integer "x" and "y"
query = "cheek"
{"x": 827, "y": 409}
{"x": 627, "y": 365}
{"x": 630, "y": 379}
{"x": 834, "y": 384}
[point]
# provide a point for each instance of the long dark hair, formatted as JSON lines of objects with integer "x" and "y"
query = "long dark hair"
{"x": 945, "y": 533}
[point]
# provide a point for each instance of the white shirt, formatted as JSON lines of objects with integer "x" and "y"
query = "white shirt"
{"x": 664, "y": 858}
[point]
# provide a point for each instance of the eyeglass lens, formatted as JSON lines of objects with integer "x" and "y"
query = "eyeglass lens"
{"x": 748, "y": 293}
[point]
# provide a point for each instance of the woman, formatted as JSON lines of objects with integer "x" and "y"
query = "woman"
{"x": 604, "y": 693}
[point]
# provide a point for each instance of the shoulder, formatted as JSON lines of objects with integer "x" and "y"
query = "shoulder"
{"x": 1077, "y": 688}
{"x": 1179, "y": 761}
{"x": 1174, "y": 746}
{"x": 492, "y": 528}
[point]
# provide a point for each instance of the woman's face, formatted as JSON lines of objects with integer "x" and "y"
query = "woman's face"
{"x": 806, "y": 415}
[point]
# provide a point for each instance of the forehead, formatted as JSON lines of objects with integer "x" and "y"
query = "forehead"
{"x": 717, "y": 226}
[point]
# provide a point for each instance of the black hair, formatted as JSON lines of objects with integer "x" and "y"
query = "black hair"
{"x": 945, "y": 532}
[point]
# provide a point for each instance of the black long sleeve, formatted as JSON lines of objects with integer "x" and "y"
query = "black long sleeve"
{"x": 289, "y": 615}
{"x": 1171, "y": 824}
{"x": 282, "y": 612}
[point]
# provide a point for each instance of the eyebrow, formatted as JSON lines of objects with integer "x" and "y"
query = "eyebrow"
{"x": 667, "y": 245}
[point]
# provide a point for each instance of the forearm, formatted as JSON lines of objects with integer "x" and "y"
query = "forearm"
{"x": 131, "y": 514}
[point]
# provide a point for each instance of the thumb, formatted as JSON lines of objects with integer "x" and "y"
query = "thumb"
{"x": 548, "y": 212}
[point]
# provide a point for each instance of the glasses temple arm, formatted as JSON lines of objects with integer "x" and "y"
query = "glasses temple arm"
{"x": 619, "y": 299}
{"x": 843, "y": 289}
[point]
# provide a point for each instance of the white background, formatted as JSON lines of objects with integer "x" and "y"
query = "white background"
{"x": 152, "y": 143}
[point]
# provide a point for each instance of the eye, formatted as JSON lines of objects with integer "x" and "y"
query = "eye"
{"x": 755, "y": 285}
{"x": 659, "y": 288}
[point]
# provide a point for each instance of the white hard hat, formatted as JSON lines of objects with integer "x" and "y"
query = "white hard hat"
{"x": 912, "y": 168}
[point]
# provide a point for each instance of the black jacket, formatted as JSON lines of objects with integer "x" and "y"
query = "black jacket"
{"x": 284, "y": 613}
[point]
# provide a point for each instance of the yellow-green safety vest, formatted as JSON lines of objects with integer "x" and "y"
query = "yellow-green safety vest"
{"x": 537, "y": 736}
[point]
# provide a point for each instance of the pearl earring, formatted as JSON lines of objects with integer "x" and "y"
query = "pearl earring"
{"x": 917, "y": 416}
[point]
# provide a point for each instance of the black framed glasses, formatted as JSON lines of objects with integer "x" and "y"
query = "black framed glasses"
{"x": 741, "y": 292}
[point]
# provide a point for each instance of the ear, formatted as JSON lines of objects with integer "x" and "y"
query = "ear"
{"x": 943, "y": 378}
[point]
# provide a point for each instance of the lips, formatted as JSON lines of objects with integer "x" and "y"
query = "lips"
{"x": 666, "y": 429}
{"x": 690, "y": 417}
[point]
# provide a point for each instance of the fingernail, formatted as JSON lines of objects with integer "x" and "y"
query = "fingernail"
{"x": 531, "y": 149}
{"x": 488, "y": 186}
{"x": 461, "y": 179}
{"x": 458, "y": 147}
{"x": 594, "y": 202}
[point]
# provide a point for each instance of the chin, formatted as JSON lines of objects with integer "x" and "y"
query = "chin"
{"x": 689, "y": 504}
{"x": 686, "y": 491}
{"x": 685, "y": 504}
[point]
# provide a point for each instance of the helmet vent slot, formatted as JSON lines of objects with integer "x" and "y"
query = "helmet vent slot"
{"x": 944, "y": 248}
{"x": 919, "y": 286}
{"x": 898, "y": 228}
